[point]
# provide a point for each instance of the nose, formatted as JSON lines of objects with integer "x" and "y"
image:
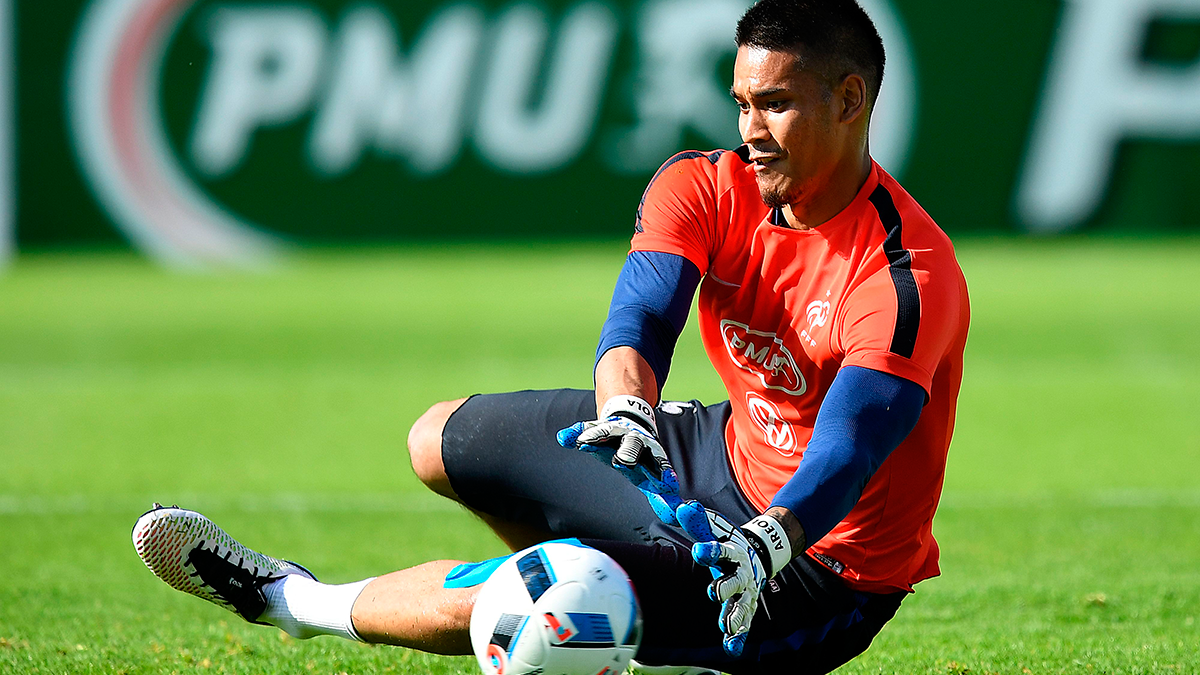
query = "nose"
{"x": 752, "y": 126}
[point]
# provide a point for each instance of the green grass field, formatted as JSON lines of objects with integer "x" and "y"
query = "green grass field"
{"x": 279, "y": 404}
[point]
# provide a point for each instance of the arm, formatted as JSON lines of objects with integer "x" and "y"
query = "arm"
{"x": 649, "y": 308}
{"x": 622, "y": 370}
{"x": 865, "y": 415}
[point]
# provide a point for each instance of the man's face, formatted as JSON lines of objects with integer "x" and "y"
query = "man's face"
{"x": 789, "y": 121}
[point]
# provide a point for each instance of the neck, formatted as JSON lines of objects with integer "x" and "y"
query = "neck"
{"x": 839, "y": 189}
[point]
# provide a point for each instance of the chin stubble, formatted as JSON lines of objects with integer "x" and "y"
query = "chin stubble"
{"x": 774, "y": 196}
{"x": 774, "y": 199}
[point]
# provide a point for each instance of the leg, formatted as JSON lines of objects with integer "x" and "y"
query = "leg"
{"x": 425, "y": 447}
{"x": 497, "y": 454}
{"x": 808, "y": 623}
{"x": 425, "y": 453}
{"x": 501, "y": 458}
{"x": 411, "y": 608}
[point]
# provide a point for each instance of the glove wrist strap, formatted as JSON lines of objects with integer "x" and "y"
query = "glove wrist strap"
{"x": 770, "y": 541}
{"x": 633, "y": 408}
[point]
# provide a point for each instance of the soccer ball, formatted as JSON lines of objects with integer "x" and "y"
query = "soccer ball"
{"x": 556, "y": 609}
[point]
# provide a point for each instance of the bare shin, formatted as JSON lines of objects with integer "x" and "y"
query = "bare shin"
{"x": 411, "y": 608}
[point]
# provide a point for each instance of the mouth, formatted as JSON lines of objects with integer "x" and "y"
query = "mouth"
{"x": 763, "y": 162}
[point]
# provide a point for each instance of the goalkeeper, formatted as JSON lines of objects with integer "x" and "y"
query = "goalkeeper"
{"x": 777, "y": 531}
{"x": 835, "y": 313}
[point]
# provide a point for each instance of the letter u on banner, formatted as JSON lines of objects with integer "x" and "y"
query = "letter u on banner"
{"x": 512, "y": 136}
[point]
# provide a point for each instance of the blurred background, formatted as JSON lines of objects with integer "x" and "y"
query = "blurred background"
{"x": 200, "y": 131}
{"x": 243, "y": 245}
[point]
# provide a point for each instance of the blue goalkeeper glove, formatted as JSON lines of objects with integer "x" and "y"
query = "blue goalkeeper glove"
{"x": 626, "y": 437}
{"x": 741, "y": 560}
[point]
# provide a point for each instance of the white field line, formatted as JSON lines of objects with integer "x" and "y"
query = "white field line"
{"x": 270, "y": 503}
{"x": 18, "y": 505}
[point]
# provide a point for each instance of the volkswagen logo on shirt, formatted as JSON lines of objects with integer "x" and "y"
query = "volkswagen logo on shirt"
{"x": 776, "y": 430}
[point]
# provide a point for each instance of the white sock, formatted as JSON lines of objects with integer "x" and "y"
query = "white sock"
{"x": 304, "y": 608}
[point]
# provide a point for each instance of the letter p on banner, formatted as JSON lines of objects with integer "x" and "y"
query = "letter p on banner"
{"x": 1099, "y": 91}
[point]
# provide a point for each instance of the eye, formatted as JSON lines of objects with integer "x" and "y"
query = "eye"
{"x": 773, "y": 105}
{"x": 743, "y": 106}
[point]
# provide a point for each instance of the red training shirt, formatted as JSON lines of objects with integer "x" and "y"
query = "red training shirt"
{"x": 782, "y": 310}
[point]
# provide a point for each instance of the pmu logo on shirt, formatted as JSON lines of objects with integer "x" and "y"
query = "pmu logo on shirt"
{"x": 764, "y": 355}
{"x": 776, "y": 431}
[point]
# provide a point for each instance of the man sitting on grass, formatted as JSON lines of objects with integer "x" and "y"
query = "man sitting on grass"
{"x": 835, "y": 312}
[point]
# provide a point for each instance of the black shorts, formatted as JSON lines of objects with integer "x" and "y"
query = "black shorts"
{"x": 502, "y": 459}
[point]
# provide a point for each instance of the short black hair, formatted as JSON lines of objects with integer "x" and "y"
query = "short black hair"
{"x": 835, "y": 37}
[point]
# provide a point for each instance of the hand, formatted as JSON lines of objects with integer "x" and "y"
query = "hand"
{"x": 739, "y": 560}
{"x": 626, "y": 438}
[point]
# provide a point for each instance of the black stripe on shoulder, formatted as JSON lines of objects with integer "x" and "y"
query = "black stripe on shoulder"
{"x": 712, "y": 157}
{"x": 690, "y": 154}
{"x": 908, "y": 300}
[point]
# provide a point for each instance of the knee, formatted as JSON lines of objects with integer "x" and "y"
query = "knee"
{"x": 425, "y": 446}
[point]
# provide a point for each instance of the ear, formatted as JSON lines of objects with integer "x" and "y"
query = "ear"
{"x": 852, "y": 93}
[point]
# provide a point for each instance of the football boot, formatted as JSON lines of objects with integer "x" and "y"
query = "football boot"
{"x": 193, "y": 555}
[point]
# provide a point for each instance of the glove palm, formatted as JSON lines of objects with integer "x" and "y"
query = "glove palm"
{"x": 630, "y": 445}
{"x": 738, "y": 570}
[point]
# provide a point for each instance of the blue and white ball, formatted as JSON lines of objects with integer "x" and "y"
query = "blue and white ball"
{"x": 556, "y": 609}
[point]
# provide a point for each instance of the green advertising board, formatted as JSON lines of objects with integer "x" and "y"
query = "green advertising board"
{"x": 209, "y": 131}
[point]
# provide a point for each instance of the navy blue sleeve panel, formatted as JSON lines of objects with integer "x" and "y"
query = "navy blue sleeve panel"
{"x": 650, "y": 307}
{"x": 865, "y": 416}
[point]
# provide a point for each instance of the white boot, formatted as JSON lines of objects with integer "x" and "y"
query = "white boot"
{"x": 189, "y": 552}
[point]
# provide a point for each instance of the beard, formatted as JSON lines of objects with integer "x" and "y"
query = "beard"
{"x": 776, "y": 195}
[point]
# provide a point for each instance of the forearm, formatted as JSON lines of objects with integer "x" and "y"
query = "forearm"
{"x": 625, "y": 432}
{"x": 622, "y": 370}
{"x": 649, "y": 309}
{"x": 865, "y": 415}
{"x": 791, "y": 526}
